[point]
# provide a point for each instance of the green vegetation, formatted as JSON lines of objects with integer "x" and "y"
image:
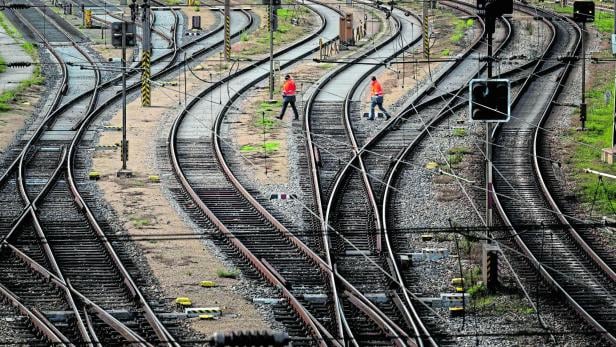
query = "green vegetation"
{"x": 2, "y": 64}
{"x": 325, "y": 66}
{"x": 446, "y": 52}
{"x": 224, "y": 273}
{"x": 286, "y": 32}
{"x": 140, "y": 222}
{"x": 172, "y": 2}
{"x": 10, "y": 96}
{"x": 454, "y": 159}
{"x": 269, "y": 147}
{"x": 460, "y": 27}
{"x": 459, "y": 132}
{"x": 244, "y": 37}
{"x": 587, "y": 152}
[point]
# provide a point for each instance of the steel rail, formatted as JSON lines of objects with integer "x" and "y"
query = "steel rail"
{"x": 55, "y": 113}
{"x": 21, "y": 169}
{"x": 600, "y": 263}
{"x": 103, "y": 315}
{"x": 316, "y": 181}
{"x": 413, "y": 320}
{"x": 39, "y": 321}
{"x": 157, "y": 326}
{"x": 412, "y": 317}
{"x": 445, "y": 111}
{"x": 316, "y": 329}
{"x": 524, "y": 247}
{"x": 376, "y": 314}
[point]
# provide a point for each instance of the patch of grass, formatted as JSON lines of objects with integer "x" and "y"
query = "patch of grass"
{"x": 248, "y": 148}
{"x": 446, "y": 52}
{"x": 459, "y": 150}
{"x": 141, "y": 222}
{"x": 476, "y": 290}
{"x": 10, "y": 96}
{"x": 271, "y": 146}
{"x": 526, "y": 310}
{"x": 459, "y": 132}
{"x": 325, "y": 66}
{"x": 225, "y": 273}
{"x": 455, "y": 159}
{"x": 598, "y": 135}
{"x": 172, "y": 2}
{"x": 460, "y": 27}
{"x": 285, "y": 33}
{"x": 2, "y": 65}
{"x": 244, "y": 37}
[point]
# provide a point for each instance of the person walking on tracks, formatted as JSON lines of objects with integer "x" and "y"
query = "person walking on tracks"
{"x": 288, "y": 96}
{"x": 376, "y": 99}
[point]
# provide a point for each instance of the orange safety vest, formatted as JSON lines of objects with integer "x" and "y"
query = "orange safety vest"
{"x": 288, "y": 88}
{"x": 376, "y": 89}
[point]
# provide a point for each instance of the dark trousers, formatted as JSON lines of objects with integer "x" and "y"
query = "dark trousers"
{"x": 286, "y": 100}
{"x": 377, "y": 101}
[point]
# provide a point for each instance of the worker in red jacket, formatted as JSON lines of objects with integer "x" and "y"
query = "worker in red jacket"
{"x": 376, "y": 92}
{"x": 288, "y": 96}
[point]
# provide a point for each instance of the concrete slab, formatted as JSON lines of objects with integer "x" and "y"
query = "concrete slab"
{"x": 12, "y": 52}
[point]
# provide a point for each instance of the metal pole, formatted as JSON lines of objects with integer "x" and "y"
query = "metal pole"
{"x": 614, "y": 115}
{"x": 185, "y": 82}
{"x": 264, "y": 147}
{"x": 124, "y": 171}
{"x": 489, "y": 148}
{"x": 146, "y": 98}
{"x": 583, "y": 105}
{"x": 271, "y": 57}
{"x": 227, "y": 30}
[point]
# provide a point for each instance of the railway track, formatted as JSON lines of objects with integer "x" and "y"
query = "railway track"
{"x": 219, "y": 198}
{"x": 581, "y": 274}
{"x": 351, "y": 210}
{"x": 519, "y": 196}
{"x": 41, "y": 242}
{"x": 323, "y": 131}
{"x": 223, "y": 197}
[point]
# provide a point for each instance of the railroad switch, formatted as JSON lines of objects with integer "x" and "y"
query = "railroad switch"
{"x": 490, "y": 266}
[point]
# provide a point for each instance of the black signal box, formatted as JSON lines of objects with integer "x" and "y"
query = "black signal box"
{"x": 117, "y": 32}
{"x": 494, "y": 8}
{"x": 584, "y": 11}
{"x": 489, "y": 100}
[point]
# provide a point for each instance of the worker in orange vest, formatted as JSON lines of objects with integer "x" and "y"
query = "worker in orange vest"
{"x": 376, "y": 92}
{"x": 288, "y": 96}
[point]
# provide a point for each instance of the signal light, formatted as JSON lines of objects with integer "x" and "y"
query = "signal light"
{"x": 584, "y": 11}
{"x": 489, "y": 100}
{"x": 117, "y": 33}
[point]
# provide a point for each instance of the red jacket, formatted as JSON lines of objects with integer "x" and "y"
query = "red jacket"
{"x": 289, "y": 88}
{"x": 376, "y": 89}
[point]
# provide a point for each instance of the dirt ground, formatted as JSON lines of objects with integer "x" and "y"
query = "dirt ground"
{"x": 179, "y": 265}
{"x": 14, "y": 120}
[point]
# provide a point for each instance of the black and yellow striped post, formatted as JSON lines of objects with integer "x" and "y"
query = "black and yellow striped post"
{"x": 87, "y": 18}
{"x": 146, "y": 96}
{"x": 426, "y": 29}
{"x": 227, "y": 30}
{"x": 490, "y": 266}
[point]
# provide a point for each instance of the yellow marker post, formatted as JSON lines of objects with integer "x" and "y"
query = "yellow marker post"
{"x": 87, "y": 18}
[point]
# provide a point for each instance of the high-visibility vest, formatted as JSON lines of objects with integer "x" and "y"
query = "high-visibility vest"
{"x": 288, "y": 88}
{"x": 376, "y": 89}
